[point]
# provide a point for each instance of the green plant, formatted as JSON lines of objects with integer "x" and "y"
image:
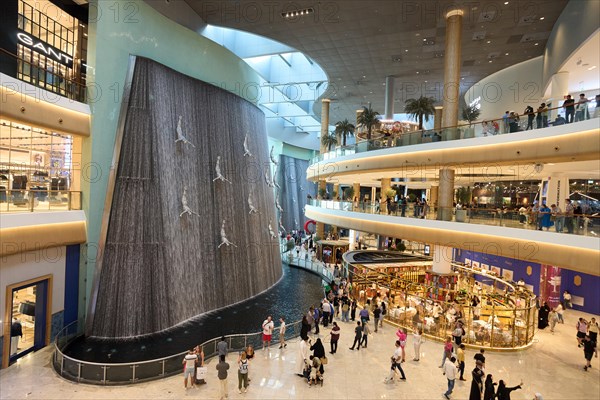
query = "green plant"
{"x": 470, "y": 113}
{"x": 463, "y": 195}
{"x": 343, "y": 129}
{"x": 421, "y": 108}
{"x": 411, "y": 197}
{"x": 390, "y": 193}
{"x": 329, "y": 140}
{"x": 368, "y": 119}
{"x": 290, "y": 244}
{"x": 322, "y": 193}
{"x": 349, "y": 193}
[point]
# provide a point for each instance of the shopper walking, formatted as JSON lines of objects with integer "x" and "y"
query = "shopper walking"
{"x": 365, "y": 335}
{"x": 581, "y": 330}
{"x": 222, "y": 347}
{"x": 480, "y": 357}
{"x": 489, "y": 392}
{"x": 589, "y": 348}
{"x": 450, "y": 372}
{"x": 335, "y": 336}
{"x": 552, "y": 319}
{"x": 396, "y": 364}
{"x": 504, "y": 391}
{"x": 303, "y": 354}
{"x": 305, "y": 328}
{"x": 267, "y": 327}
{"x": 319, "y": 352}
{"x": 282, "y": 328}
{"x": 447, "y": 351}
{"x": 530, "y": 116}
{"x": 357, "y": 336}
{"x": 376, "y": 315}
{"x": 417, "y": 341}
{"x": 242, "y": 372}
{"x": 559, "y": 313}
{"x": 189, "y": 370}
{"x": 222, "y": 368}
{"x": 460, "y": 358}
{"x": 593, "y": 330}
{"x": 353, "y": 307}
{"x": 476, "y": 383}
{"x": 345, "y": 311}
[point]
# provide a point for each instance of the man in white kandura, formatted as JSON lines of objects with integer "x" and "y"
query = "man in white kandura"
{"x": 246, "y": 150}
{"x": 253, "y": 209}
{"x": 224, "y": 240}
{"x": 273, "y": 159}
{"x": 180, "y": 136}
{"x": 218, "y": 171}
{"x": 271, "y": 232}
{"x": 186, "y": 208}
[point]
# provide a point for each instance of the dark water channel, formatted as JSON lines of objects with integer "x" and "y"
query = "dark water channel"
{"x": 290, "y": 297}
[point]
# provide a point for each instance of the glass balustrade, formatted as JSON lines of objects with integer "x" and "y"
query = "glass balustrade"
{"x": 514, "y": 125}
{"x": 14, "y": 201}
{"x": 584, "y": 225}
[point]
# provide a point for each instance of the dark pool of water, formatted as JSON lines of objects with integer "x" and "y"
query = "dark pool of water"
{"x": 290, "y": 297}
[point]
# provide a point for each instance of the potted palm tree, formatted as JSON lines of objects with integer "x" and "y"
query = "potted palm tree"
{"x": 420, "y": 109}
{"x": 368, "y": 118}
{"x": 343, "y": 129}
{"x": 470, "y": 114}
{"x": 329, "y": 140}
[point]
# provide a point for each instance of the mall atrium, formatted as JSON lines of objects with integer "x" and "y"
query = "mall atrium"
{"x": 176, "y": 171}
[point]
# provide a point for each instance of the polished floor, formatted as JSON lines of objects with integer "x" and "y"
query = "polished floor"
{"x": 552, "y": 367}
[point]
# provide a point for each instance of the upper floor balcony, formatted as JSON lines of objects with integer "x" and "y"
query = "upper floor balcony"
{"x": 476, "y": 144}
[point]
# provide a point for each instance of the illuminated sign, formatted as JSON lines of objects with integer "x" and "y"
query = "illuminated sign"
{"x": 476, "y": 103}
{"x": 44, "y": 48}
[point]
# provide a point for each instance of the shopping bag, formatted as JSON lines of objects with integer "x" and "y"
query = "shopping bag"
{"x": 201, "y": 373}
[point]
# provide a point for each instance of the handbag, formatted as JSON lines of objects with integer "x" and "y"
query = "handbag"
{"x": 324, "y": 360}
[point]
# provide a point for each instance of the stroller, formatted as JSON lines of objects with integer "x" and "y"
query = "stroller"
{"x": 312, "y": 374}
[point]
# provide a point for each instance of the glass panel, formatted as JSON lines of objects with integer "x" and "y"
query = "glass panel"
{"x": 119, "y": 373}
{"x": 71, "y": 368}
{"x": 173, "y": 364}
{"x": 148, "y": 370}
{"x": 90, "y": 372}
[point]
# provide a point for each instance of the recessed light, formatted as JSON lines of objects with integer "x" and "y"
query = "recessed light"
{"x": 591, "y": 68}
{"x": 506, "y": 3}
{"x": 417, "y": 72}
{"x": 542, "y": 18}
{"x": 489, "y": 41}
{"x": 406, "y": 50}
{"x": 536, "y": 44}
{"x": 490, "y": 61}
{"x": 364, "y": 76}
{"x": 505, "y": 54}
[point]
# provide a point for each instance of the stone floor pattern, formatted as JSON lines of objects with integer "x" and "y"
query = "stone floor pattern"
{"x": 553, "y": 366}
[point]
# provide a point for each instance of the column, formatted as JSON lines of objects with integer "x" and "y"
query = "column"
{"x": 433, "y": 197}
{"x": 320, "y": 228}
{"x": 336, "y": 190}
{"x": 437, "y": 119}
{"x": 389, "y": 98}
{"x": 442, "y": 259}
{"x": 386, "y": 184}
{"x": 356, "y": 190}
{"x": 452, "y": 58}
{"x": 324, "y": 122}
{"x": 373, "y": 194}
{"x": 560, "y": 88}
{"x": 446, "y": 195}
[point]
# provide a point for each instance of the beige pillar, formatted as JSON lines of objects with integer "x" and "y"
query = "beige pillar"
{"x": 560, "y": 88}
{"x": 437, "y": 119}
{"x": 386, "y": 184}
{"x": 336, "y": 190}
{"x": 320, "y": 229}
{"x": 452, "y": 65}
{"x": 433, "y": 197}
{"x": 356, "y": 188}
{"x": 324, "y": 122}
{"x": 446, "y": 195}
{"x": 442, "y": 259}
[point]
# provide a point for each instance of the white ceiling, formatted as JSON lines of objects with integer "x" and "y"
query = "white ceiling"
{"x": 359, "y": 43}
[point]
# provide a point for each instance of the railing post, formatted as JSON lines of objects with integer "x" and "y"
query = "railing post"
{"x": 163, "y": 367}
{"x": 78, "y": 372}
{"x": 104, "y": 367}
{"x": 69, "y": 200}
{"x": 133, "y": 368}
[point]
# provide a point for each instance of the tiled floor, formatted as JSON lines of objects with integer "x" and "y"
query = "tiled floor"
{"x": 553, "y": 367}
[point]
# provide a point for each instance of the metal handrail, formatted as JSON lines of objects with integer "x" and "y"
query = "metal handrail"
{"x": 58, "y": 349}
{"x": 434, "y": 134}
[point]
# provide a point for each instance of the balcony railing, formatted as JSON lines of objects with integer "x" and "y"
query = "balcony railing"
{"x": 34, "y": 74}
{"x": 584, "y": 225}
{"x": 519, "y": 123}
{"x": 13, "y": 201}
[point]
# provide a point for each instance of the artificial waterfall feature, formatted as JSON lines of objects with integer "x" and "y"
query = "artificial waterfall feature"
{"x": 294, "y": 191}
{"x": 187, "y": 210}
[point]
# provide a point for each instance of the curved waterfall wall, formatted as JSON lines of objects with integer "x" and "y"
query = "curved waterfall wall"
{"x": 294, "y": 189}
{"x": 158, "y": 268}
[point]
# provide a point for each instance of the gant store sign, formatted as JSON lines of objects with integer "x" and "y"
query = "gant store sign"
{"x": 44, "y": 48}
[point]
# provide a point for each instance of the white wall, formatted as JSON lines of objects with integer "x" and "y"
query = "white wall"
{"x": 24, "y": 266}
{"x": 511, "y": 89}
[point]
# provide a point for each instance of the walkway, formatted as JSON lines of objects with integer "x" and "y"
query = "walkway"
{"x": 553, "y": 366}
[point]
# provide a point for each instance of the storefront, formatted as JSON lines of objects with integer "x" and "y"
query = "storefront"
{"x": 40, "y": 170}
{"x": 45, "y": 46}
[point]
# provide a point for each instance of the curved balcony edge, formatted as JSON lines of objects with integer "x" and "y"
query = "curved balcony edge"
{"x": 578, "y": 253}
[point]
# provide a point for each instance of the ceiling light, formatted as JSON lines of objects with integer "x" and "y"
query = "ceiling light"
{"x": 406, "y": 50}
{"x": 542, "y": 18}
{"x": 591, "y": 68}
{"x": 536, "y": 44}
{"x": 506, "y": 3}
{"x": 490, "y": 61}
{"x": 489, "y": 41}
{"x": 505, "y": 54}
